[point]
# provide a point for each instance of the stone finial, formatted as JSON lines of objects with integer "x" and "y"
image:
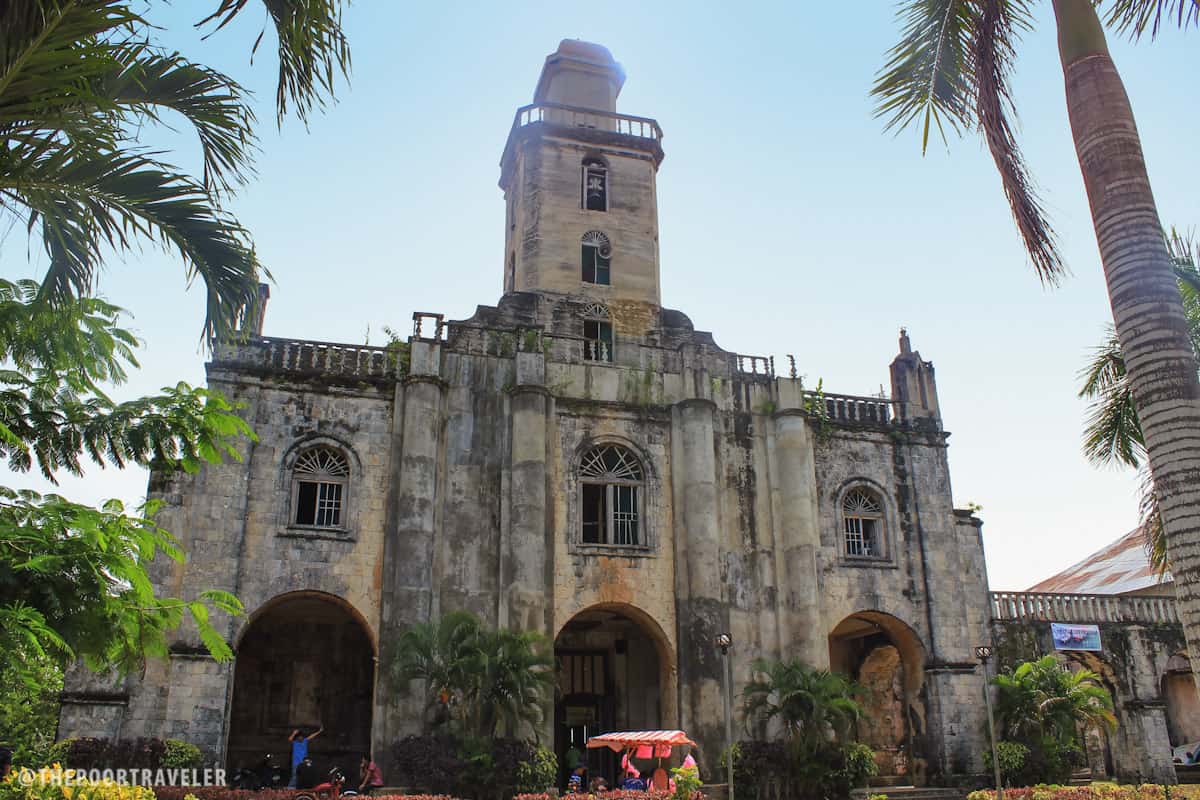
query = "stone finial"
{"x": 905, "y": 344}
{"x": 259, "y": 312}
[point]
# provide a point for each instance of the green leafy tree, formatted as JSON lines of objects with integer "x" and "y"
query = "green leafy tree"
{"x": 816, "y": 711}
{"x": 1113, "y": 430}
{"x": 1042, "y": 706}
{"x": 953, "y": 69}
{"x": 29, "y": 709}
{"x": 481, "y": 682}
{"x": 73, "y": 578}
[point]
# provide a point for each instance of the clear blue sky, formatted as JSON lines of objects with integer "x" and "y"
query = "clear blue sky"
{"x": 790, "y": 222}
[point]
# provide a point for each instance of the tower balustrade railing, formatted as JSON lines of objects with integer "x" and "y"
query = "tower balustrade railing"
{"x": 1064, "y": 607}
{"x": 574, "y": 117}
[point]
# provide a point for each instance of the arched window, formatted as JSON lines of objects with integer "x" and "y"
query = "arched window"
{"x": 610, "y": 487}
{"x": 862, "y": 524}
{"x": 595, "y": 185}
{"x": 597, "y": 334}
{"x": 597, "y": 255}
{"x": 319, "y": 481}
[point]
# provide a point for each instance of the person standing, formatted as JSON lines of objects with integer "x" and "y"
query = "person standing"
{"x": 300, "y": 750}
{"x": 370, "y": 778}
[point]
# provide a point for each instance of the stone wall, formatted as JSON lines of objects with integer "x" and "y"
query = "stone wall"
{"x": 1132, "y": 666}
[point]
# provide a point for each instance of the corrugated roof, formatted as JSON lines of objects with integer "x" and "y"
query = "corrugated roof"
{"x": 1117, "y": 569}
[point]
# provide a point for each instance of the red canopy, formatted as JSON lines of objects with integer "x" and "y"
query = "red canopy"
{"x": 623, "y": 740}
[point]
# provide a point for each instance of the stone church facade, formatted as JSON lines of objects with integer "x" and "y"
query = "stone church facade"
{"x": 577, "y": 460}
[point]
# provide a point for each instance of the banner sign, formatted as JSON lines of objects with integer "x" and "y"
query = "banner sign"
{"x": 1075, "y": 637}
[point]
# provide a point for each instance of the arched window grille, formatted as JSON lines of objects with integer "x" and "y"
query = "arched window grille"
{"x": 862, "y": 524}
{"x": 595, "y": 185}
{"x": 611, "y": 480}
{"x": 596, "y": 258}
{"x": 319, "y": 480}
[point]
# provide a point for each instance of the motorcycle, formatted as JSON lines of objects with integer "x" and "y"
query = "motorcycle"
{"x": 267, "y": 775}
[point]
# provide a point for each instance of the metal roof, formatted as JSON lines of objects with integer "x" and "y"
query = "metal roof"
{"x": 1120, "y": 568}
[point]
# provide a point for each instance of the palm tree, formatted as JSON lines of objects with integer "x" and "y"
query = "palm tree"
{"x": 516, "y": 682}
{"x": 78, "y": 78}
{"x": 1113, "y": 433}
{"x": 445, "y": 654}
{"x": 1043, "y": 706}
{"x": 1041, "y": 696}
{"x": 485, "y": 682}
{"x": 814, "y": 706}
{"x": 952, "y": 68}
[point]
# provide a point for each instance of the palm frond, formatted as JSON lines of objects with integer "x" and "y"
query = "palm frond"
{"x": 313, "y": 50}
{"x": 1112, "y": 431}
{"x": 997, "y": 30}
{"x": 214, "y": 104}
{"x": 1136, "y": 17}
{"x": 83, "y": 200}
{"x": 927, "y": 76}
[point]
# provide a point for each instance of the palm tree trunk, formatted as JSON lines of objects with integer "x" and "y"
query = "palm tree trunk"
{"x": 1146, "y": 306}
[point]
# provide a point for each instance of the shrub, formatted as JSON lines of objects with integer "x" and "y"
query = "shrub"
{"x": 767, "y": 768}
{"x": 62, "y": 784}
{"x": 225, "y": 793}
{"x": 143, "y": 753}
{"x": 615, "y": 794}
{"x": 1095, "y": 791}
{"x": 687, "y": 783}
{"x": 178, "y": 754}
{"x": 1013, "y": 757}
{"x": 472, "y": 767}
{"x": 539, "y": 772}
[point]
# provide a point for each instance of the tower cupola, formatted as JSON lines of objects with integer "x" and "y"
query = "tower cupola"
{"x": 579, "y": 181}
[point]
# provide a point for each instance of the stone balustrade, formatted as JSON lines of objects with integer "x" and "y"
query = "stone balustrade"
{"x": 853, "y": 409}
{"x": 760, "y": 366}
{"x": 312, "y": 359}
{"x": 1047, "y": 607}
{"x": 570, "y": 116}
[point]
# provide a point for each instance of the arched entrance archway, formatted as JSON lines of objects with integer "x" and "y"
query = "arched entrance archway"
{"x": 885, "y": 657}
{"x": 305, "y": 659}
{"x": 1183, "y": 705}
{"x": 614, "y": 672}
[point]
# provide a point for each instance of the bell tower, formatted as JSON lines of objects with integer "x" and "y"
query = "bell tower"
{"x": 579, "y": 185}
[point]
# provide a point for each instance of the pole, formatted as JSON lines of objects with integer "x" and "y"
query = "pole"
{"x": 987, "y": 699}
{"x": 729, "y": 721}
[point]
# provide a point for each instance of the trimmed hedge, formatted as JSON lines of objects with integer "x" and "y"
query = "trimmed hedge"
{"x": 144, "y": 753}
{"x": 225, "y": 793}
{"x": 1095, "y": 791}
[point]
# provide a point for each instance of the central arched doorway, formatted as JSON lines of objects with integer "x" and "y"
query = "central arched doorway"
{"x": 885, "y": 657}
{"x": 613, "y": 673}
{"x": 305, "y": 660}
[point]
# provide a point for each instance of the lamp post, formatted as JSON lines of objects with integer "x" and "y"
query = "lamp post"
{"x": 725, "y": 641}
{"x": 983, "y": 653}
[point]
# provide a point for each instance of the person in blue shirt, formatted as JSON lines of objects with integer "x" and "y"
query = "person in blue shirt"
{"x": 633, "y": 783}
{"x": 300, "y": 750}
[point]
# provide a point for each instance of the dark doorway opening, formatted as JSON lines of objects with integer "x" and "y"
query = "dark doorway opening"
{"x": 306, "y": 661}
{"x": 609, "y": 679}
